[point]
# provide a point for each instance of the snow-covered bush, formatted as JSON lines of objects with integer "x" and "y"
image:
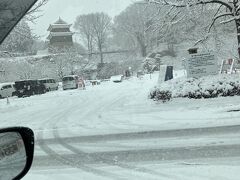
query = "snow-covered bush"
{"x": 158, "y": 95}
{"x": 205, "y": 87}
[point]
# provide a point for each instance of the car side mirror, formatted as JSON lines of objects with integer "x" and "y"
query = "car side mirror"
{"x": 16, "y": 152}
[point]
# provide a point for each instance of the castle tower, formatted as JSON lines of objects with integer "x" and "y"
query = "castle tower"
{"x": 60, "y": 36}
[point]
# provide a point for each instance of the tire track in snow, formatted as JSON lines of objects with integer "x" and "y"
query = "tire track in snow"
{"x": 192, "y": 132}
{"x": 179, "y": 153}
{"x": 71, "y": 161}
{"x": 75, "y": 164}
{"x": 86, "y": 156}
{"x": 108, "y": 161}
{"x": 128, "y": 155}
{"x": 103, "y": 106}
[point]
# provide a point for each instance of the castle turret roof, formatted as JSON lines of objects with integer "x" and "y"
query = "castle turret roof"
{"x": 59, "y": 24}
{"x": 60, "y": 21}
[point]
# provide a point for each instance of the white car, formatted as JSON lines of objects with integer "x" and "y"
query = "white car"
{"x": 7, "y": 90}
{"x": 117, "y": 79}
{"x": 50, "y": 84}
{"x": 70, "y": 82}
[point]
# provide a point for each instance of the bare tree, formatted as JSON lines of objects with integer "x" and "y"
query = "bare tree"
{"x": 226, "y": 12}
{"x": 25, "y": 70}
{"x": 69, "y": 62}
{"x": 36, "y": 11}
{"x": 135, "y": 24}
{"x": 84, "y": 27}
{"x": 101, "y": 24}
{"x": 60, "y": 66}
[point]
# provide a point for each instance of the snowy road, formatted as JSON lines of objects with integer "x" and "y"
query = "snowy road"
{"x": 187, "y": 144}
{"x": 113, "y": 131}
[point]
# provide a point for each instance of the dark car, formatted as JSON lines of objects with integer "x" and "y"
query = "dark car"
{"x": 28, "y": 88}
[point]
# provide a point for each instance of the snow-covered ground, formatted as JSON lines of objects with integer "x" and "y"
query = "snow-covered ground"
{"x": 107, "y": 121}
{"x": 115, "y": 108}
{"x": 167, "y": 171}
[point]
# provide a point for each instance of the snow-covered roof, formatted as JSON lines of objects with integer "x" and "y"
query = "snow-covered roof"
{"x": 46, "y": 79}
{"x": 59, "y": 24}
{"x": 4, "y": 84}
{"x": 74, "y": 76}
{"x": 52, "y": 34}
{"x": 60, "y": 21}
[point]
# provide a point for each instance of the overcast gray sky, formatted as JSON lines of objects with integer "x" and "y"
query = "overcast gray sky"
{"x": 69, "y": 9}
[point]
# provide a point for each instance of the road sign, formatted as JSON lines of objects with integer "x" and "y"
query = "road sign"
{"x": 165, "y": 73}
{"x": 229, "y": 66}
{"x": 201, "y": 65}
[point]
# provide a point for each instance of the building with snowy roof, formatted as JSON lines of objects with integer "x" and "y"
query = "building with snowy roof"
{"x": 60, "y": 36}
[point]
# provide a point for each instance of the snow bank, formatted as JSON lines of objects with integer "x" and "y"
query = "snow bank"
{"x": 205, "y": 87}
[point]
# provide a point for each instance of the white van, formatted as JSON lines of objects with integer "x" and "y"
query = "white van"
{"x": 70, "y": 82}
{"x": 7, "y": 90}
{"x": 50, "y": 84}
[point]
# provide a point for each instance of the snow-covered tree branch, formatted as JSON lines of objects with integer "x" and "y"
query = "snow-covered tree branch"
{"x": 231, "y": 14}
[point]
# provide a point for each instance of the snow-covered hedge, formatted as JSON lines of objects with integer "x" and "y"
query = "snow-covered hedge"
{"x": 205, "y": 87}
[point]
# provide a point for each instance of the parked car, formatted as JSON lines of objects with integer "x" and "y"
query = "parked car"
{"x": 50, "y": 84}
{"x": 70, "y": 82}
{"x": 28, "y": 88}
{"x": 7, "y": 90}
{"x": 95, "y": 82}
{"x": 117, "y": 79}
{"x": 140, "y": 74}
